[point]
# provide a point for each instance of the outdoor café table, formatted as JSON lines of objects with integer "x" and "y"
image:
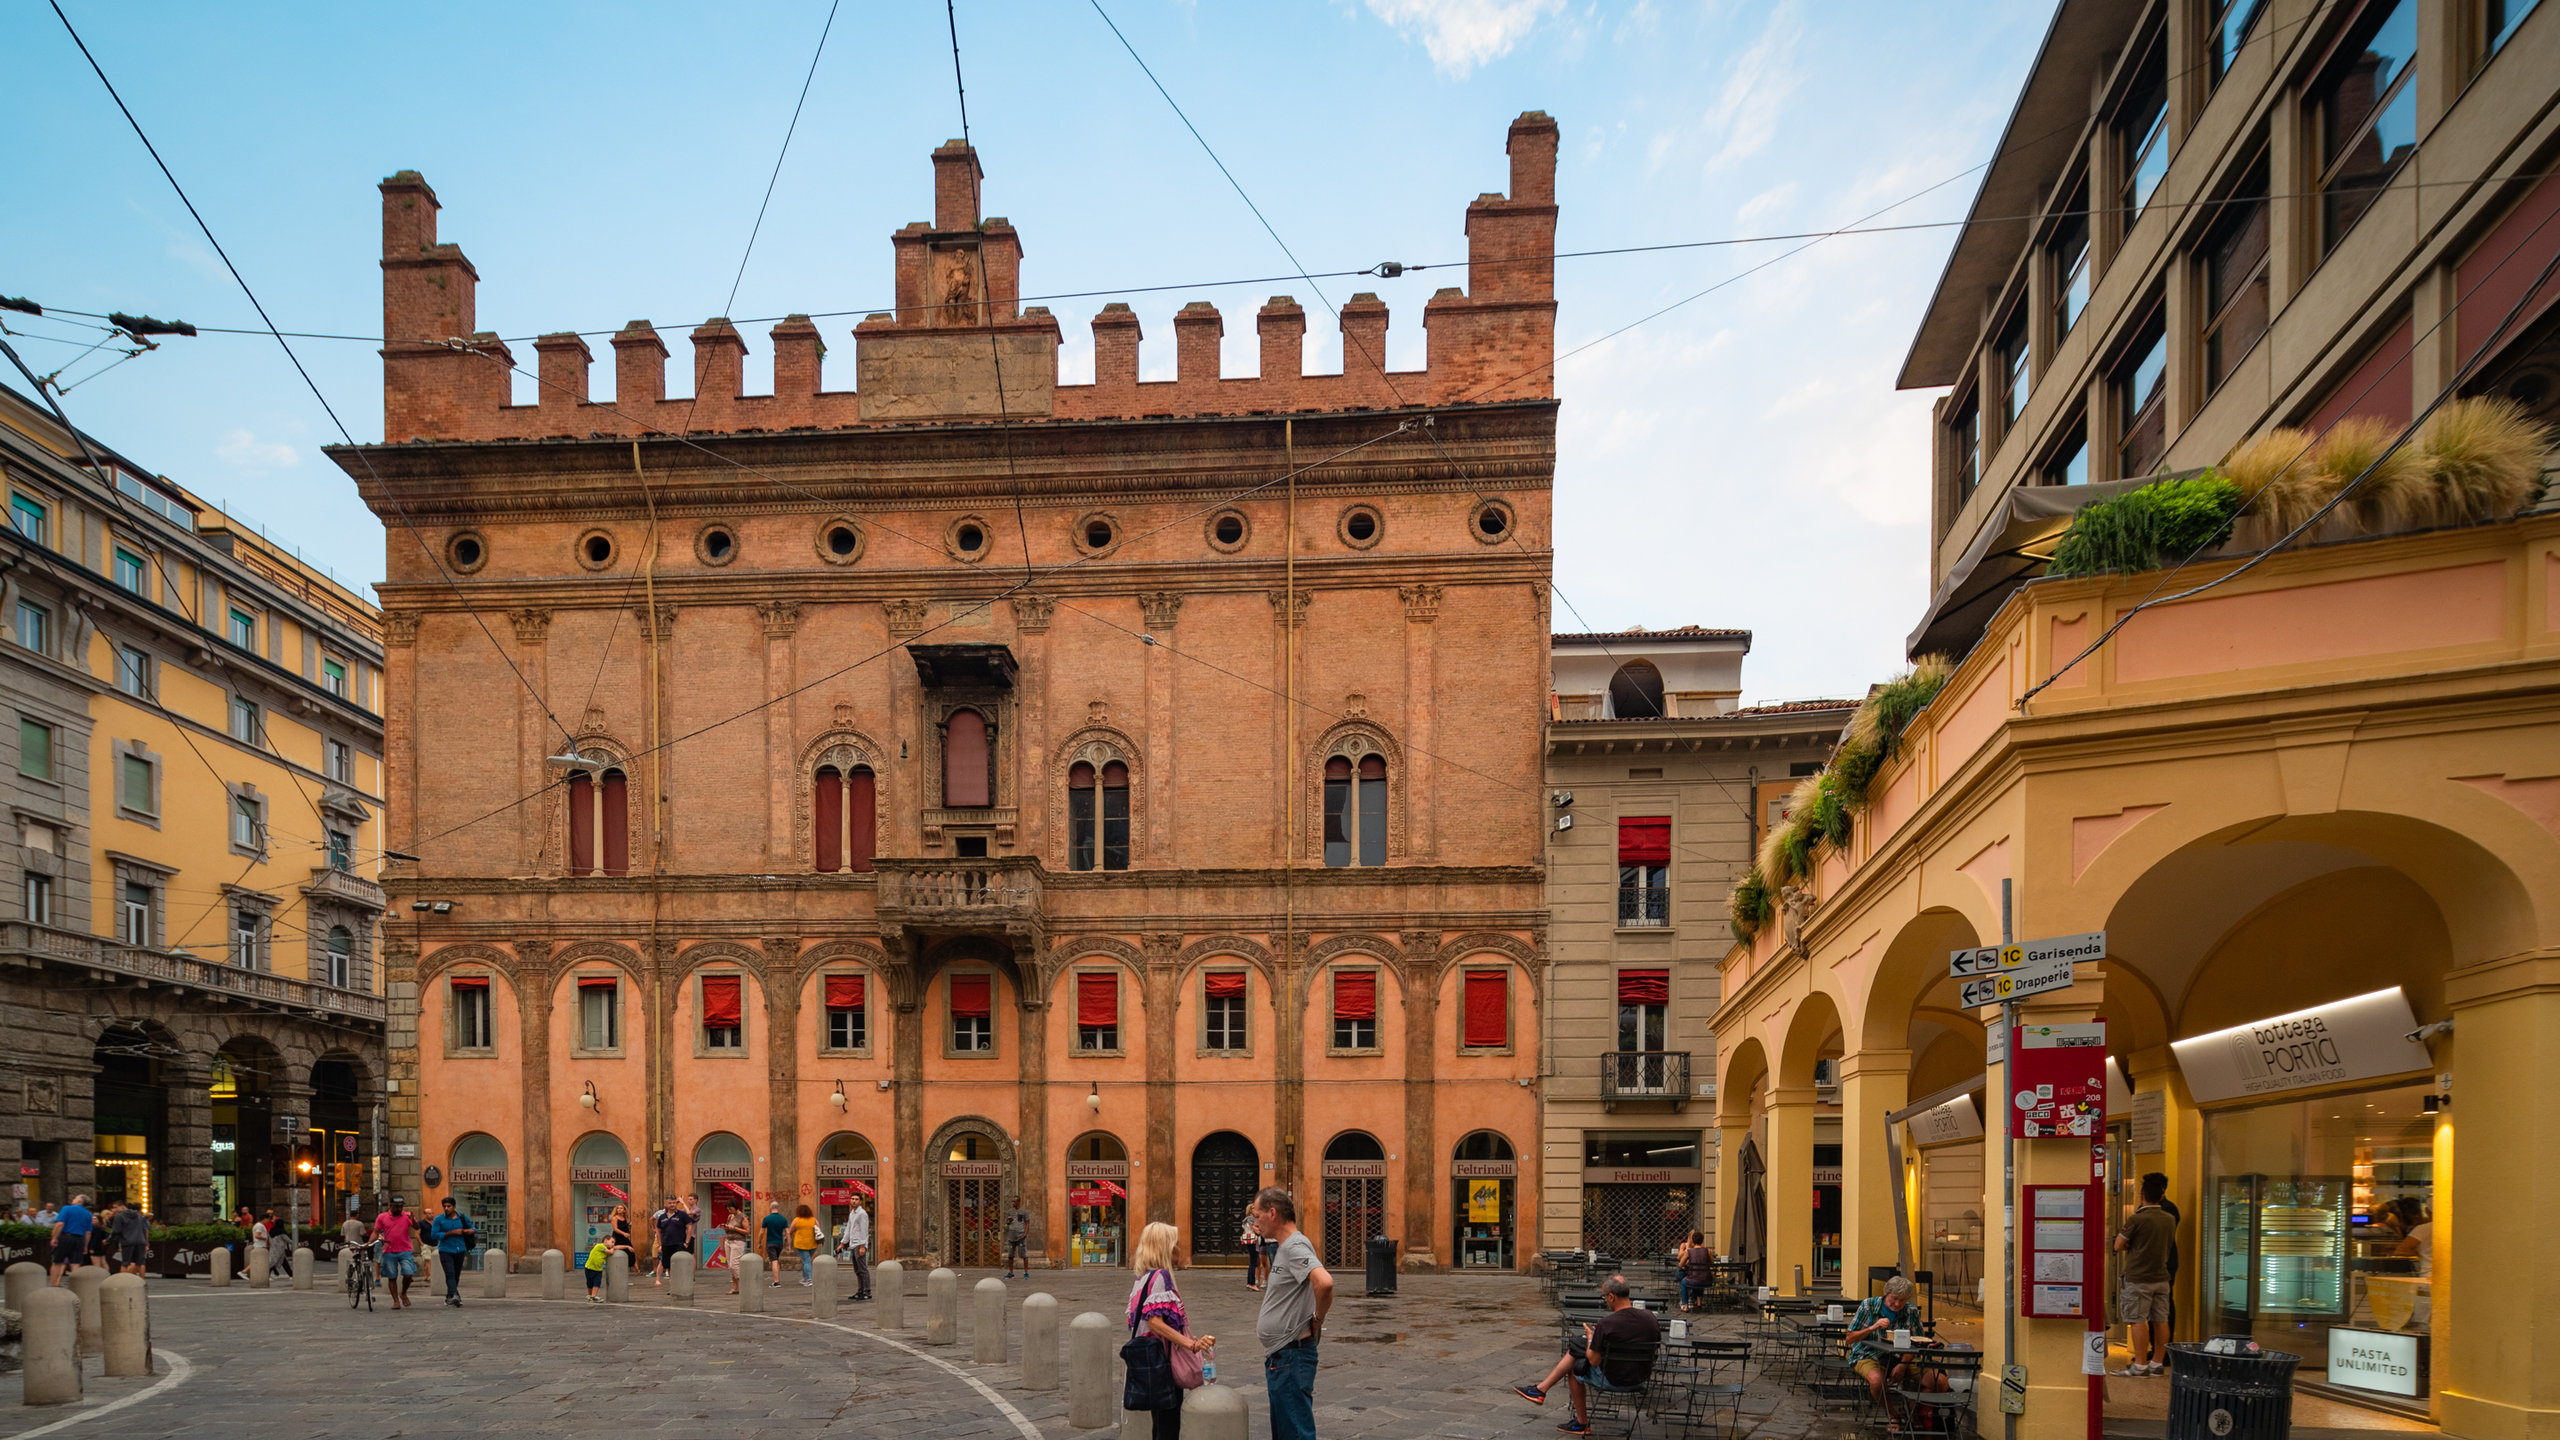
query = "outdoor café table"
{"x": 1933, "y": 1412}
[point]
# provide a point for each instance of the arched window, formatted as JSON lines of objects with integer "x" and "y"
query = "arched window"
{"x": 845, "y": 818}
{"x": 1635, "y": 692}
{"x": 1098, "y": 816}
{"x": 599, "y": 818}
{"x": 968, "y": 761}
{"x": 1355, "y": 811}
{"x": 341, "y": 956}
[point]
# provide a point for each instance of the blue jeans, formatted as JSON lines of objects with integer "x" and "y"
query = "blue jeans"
{"x": 808, "y": 1259}
{"x": 1289, "y": 1384}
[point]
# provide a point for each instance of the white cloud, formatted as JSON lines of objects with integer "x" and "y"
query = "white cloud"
{"x": 1744, "y": 117}
{"x": 1463, "y": 34}
{"x": 1766, "y": 202}
{"x": 243, "y": 450}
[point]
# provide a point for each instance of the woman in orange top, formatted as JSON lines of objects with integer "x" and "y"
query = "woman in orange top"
{"x": 804, "y": 1238}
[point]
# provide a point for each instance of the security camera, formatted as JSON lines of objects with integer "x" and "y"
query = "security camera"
{"x": 2420, "y": 1035}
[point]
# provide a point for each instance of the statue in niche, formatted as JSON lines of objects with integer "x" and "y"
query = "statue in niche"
{"x": 959, "y": 288}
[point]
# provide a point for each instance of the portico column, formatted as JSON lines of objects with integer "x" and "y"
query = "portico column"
{"x": 907, "y": 1071}
{"x": 2495, "y": 1373}
{"x": 185, "y": 1189}
{"x": 1873, "y": 1084}
{"x": 1031, "y": 1133}
{"x": 781, "y": 1062}
{"x": 1790, "y": 1192}
{"x": 1164, "y": 1002}
{"x": 528, "y": 1174}
{"x": 1422, "y": 1187}
{"x": 2057, "y": 1393}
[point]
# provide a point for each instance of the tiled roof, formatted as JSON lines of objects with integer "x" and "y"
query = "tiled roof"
{"x": 1788, "y": 706}
{"x": 1684, "y": 632}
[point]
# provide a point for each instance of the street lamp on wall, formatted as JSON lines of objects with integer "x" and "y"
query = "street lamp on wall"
{"x": 837, "y": 1099}
{"x": 588, "y": 1097}
{"x": 1093, "y": 1098}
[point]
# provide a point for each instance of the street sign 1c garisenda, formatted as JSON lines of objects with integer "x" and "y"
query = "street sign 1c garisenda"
{"x": 1996, "y": 959}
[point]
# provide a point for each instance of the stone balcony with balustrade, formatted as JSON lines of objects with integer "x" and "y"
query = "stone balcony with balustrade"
{"x": 937, "y": 897}
{"x": 107, "y": 962}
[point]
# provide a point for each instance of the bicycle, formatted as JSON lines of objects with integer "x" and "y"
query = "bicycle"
{"x": 358, "y": 1262}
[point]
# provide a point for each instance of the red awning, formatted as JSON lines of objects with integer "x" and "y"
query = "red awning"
{"x": 1097, "y": 999}
{"x": 720, "y": 1002}
{"x": 1644, "y": 840}
{"x": 1355, "y": 994}
{"x": 1488, "y": 1009}
{"x": 1225, "y": 984}
{"x": 1644, "y": 987}
{"x": 972, "y": 997}
{"x": 470, "y": 982}
{"x": 596, "y": 982}
{"x": 844, "y": 992}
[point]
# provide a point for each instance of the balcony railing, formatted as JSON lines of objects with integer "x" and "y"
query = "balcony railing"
{"x": 960, "y": 892}
{"x": 1644, "y": 1075}
{"x": 178, "y": 968}
{"x": 1642, "y": 907}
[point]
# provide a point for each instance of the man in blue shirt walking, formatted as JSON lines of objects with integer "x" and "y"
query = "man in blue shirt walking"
{"x": 70, "y": 1238}
{"x": 452, "y": 1233}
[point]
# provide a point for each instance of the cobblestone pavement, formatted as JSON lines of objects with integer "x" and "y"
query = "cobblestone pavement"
{"x": 1433, "y": 1361}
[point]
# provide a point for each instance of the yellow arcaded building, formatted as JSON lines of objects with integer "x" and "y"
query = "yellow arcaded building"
{"x": 190, "y": 1003}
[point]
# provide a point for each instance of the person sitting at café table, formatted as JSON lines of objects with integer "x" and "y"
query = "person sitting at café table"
{"x": 1615, "y": 1354}
{"x": 1870, "y": 1339}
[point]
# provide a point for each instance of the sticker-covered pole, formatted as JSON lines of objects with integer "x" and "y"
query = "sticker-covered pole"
{"x": 2008, "y": 1161}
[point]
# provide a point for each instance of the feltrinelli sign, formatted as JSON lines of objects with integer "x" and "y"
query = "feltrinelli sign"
{"x": 2362, "y": 1038}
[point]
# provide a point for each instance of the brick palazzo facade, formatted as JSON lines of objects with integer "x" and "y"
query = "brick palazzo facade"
{"x": 943, "y": 890}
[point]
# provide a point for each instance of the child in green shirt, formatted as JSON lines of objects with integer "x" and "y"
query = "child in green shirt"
{"x": 596, "y": 1260}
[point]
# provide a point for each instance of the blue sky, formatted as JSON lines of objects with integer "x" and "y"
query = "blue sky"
{"x": 1740, "y": 461}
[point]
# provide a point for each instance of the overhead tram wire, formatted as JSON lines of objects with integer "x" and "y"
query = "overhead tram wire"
{"x": 237, "y": 278}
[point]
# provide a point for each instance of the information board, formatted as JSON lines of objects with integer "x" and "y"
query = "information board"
{"x": 2058, "y": 1081}
{"x": 2065, "y": 1260}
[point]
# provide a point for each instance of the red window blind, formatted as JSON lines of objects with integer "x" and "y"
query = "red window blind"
{"x": 861, "y": 800}
{"x": 1644, "y": 987}
{"x": 582, "y": 824}
{"x": 1355, "y": 994}
{"x": 470, "y": 982}
{"x": 617, "y": 823}
{"x": 1225, "y": 984}
{"x": 1488, "y": 1009}
{"x": 720, "y": 1002}
{"x": 972, "y": 997}
{"x": 1644, "y": 840}
{"x": 596, "y": 982}
{"x": 1097, "y": 999}
{"x": 964, "y": 760}
{"x": 829, "y": 820}
{"x": 844, "y": 992}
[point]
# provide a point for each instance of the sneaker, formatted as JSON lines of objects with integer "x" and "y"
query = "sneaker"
{"x": 2159, "y": 1368}
{"x": 1530, "y": 1393}
{"x": 1574, "y": 1427}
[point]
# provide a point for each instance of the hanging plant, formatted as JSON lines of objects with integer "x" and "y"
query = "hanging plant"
{"x": 1749, "y": 905}
{"x": 2150, "y": 528}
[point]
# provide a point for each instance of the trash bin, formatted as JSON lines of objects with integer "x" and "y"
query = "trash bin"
{"x": 2238, "y": 1396}
{"x": 1382, "y": 1265}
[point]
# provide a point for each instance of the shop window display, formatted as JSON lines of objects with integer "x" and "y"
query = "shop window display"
{"x": 1097, "y": 1201}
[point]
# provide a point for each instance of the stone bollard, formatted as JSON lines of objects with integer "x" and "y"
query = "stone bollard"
{"x": 126, "y": 1319}
{"x": 1216, "y": 1412}
{"x": 83, "y": 1281}
{"x": 889, "y": 1292}
{"x": 220, "y": 1260}
{"x": 22, "y": 1280}
{"x": 1092, "y": 1398}
{"x": 555, "y": 1275}
{"x": 941, "y": 1307}
{"x": 987, "y": 1322}
{"x": 258, "y": 1266}
{"x": 304, "y": 1262}
{"x": 494, "y": 1265}
{"x": 751, "y": 1286}
{"x": 1040, "y": 1343}
{"x": 51, "y": 1352}
{"x": 617, "y": 1278}
{"x": 822, "y": 1287}
{"x": 680, "y": 1279}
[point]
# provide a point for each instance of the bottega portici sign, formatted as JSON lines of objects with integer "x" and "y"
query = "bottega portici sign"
{"x": 2362, "y": 1038}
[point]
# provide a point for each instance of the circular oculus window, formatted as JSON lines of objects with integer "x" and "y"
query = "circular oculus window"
{"x": 715, "y": 545}
{"x": 968, "y": 538}
{"x": 466, "y": 552}
{"x": 1228, "y": 530}
{"x": 1491, "y": 522}
{"x": 1095, "y": 534}
{"x": 839, "y": 541}
{"x": 595, "y": 549}
{"x": 1360, "y": 526}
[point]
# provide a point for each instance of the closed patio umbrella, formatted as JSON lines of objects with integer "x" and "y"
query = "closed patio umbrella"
{"x": 1751, "y": 1214}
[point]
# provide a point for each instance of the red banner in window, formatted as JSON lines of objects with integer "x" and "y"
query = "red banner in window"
{"x": 1355, "y": 995}
{"x": 1226, "y": 984}
{"x": 470, "y": 982}
{"x": 1488, "y": 1009}
{"x": 720, "y": 1002}
{"x": 1644, "y": 840}
{"x": 844, "y": 992}
{"x": 972, "y": 997}
{"x": 595, "y": 982}
{"x": 1644, "y": 987}
{"x": 1097, "y": 999}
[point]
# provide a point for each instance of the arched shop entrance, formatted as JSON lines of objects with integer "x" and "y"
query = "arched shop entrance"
{"x": 1355, "y": 1197}
{"x": 132, "y": 1106}
{"x": 968, "y": 1184}
{"x": 599, "y": 1179}
{"x": 479, "y": 1182}
{"x": 243, "y": 1126}
{"x": 1226, "y": 1173}
{"x": 848, "y": 1175}
{"x": 1097, "y": 1200}
{"x": 338, "y": 1139}
{"x": 724, "y": 1181}
{"x": 1484, "y": 1184}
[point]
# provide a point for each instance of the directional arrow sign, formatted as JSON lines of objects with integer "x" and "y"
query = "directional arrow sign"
{"x": 2018, "y": 984}
{"x": 1995, "y": 959}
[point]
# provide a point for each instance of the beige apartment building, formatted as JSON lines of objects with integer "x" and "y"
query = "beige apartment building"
{"x": 1652, "y": 764}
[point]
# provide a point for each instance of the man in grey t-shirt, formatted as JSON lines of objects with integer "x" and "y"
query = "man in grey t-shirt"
{"x": 1017, "y": 1238}
{"x": 1295, "y": 1296}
